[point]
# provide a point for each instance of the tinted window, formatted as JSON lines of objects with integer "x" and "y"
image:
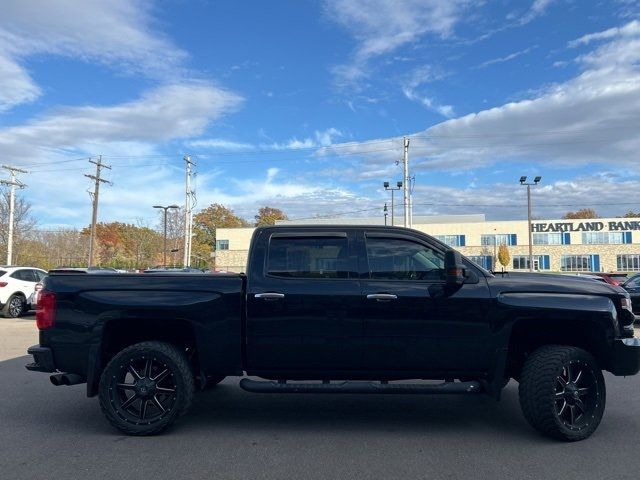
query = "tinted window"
{"x": 2, "y": 272}
{"x": 40, "y": 275}
{"x": 399, "y": 259}
{"x": 308, "y": 257}
{"x": 24, "y": 275}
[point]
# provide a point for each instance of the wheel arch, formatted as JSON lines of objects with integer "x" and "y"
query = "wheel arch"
{"x": 530, "y": 333}
{"x": 118, "y": 334}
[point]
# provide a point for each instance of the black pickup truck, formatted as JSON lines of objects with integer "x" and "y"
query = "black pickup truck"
{"x": 338, "y": 309}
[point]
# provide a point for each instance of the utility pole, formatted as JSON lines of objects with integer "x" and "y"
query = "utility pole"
{"x": 94, "y": 197}
{"x": 13, "y": 183}
{"x": 189, "y": 203}
{"x": 405, "y": 182}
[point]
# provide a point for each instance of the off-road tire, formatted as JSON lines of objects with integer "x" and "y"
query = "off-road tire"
{"x": 542, "y": 394}
{"x": 165, "y": 356}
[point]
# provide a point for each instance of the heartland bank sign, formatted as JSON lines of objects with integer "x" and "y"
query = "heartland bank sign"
{"x": 613, "y": 226}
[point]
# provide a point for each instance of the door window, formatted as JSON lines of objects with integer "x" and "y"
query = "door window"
{"x": 40, "y": 275}
{"x": 308, "y": 257}
{"x": 23, "y": 275}
{"x": 400, "y": 259}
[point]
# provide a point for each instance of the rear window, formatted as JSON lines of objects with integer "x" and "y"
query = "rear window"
{"x": 308, "y": 257}
{"x": 2, "y": 272}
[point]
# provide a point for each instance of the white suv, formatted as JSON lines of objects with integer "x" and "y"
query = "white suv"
{"x": 17, "y": 285}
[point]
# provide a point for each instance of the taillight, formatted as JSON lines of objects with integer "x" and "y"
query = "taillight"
{"x": 46, "y": 310}
{"x": 3, "y": 284}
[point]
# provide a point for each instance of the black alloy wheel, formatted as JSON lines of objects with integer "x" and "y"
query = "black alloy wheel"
{"x": 146, "y": 387}
{"x": 576, "y": 395}
{"x": 562, "y": 392}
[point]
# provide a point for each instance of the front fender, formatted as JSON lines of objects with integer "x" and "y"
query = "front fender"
{"x": 596, "y": 308}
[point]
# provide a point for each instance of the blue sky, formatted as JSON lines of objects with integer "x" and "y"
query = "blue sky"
{"x": 301, "y": 105}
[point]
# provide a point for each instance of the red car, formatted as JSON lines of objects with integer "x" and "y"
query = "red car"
{"x": 613, "y": 278}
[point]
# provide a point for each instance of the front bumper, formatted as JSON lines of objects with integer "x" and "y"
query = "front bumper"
{"x": 43, "y": 359}
{"x": 625, "y": 357}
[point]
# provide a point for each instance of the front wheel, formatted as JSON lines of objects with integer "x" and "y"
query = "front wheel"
{"x": 562, "y": 392}
{"x": 146, "y": 387}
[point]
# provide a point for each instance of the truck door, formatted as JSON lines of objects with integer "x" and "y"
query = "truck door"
{"x": 410, "y": 322}
{"x": 303, "y": 304}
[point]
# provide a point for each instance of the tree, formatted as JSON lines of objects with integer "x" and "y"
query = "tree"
{"x": 631, "y": 214}
{"x": 23, "y": 224}
{"x": 268, "y": 216}
{"x": 205, "y": 223}
{"x": 581, "y": 214}
{"x": 503, "y": 255}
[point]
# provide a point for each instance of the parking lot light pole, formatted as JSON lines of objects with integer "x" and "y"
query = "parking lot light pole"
{"x": 393, "y": 189}
{"x": 523, "y": 181}
{"x": 164, "y": 249}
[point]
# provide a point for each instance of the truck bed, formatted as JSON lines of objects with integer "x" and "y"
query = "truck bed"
{"x": 211, "y": 305}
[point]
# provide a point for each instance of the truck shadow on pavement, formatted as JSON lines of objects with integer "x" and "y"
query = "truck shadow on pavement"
{"x": 229, "y": 406}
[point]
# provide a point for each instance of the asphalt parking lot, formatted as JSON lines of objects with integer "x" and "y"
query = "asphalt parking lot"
{"x": 56, "y": 432}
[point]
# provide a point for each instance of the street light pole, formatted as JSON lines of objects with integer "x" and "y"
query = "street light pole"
{"x": 385, "y": 214}
{"x": 523, "y": 181}
{"x": 164, "y": 249}
{"x": 393, "y": 189}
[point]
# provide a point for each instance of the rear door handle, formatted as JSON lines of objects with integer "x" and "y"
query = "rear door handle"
{"x": 269, "y": 295}
{"x": 382, "y": 297}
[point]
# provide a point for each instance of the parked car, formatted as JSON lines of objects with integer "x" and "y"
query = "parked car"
{"x": 338, "y": 309}
{"x": 613, "y": 278}
{"x": 632, "y": 285}
{"x": 17, "y": 285}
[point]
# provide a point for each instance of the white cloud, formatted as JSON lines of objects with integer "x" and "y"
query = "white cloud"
{"x": 507, "y": 58}
{"x": 537, "y": 9}
{"x": 117, "y": 33}
{"x": 590, "y": 119}
{"x": 162, "y": 114}
{"x": 321, "y": 138}
{"x": 16, "y": 86}
{"x": 631, "y": 29}
{"x": 382, "y": 26}
{"x": 429, "y": 103}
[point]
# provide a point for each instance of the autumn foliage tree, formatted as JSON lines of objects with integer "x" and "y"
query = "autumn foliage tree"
{"x": 503, "y": 255}
{"x": 268, "y": 215}
{"x": 583, "y": 213}
{"x": 205, "y": 223}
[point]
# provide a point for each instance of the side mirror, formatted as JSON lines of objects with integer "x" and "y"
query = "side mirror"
{"x": 454, "y": 268}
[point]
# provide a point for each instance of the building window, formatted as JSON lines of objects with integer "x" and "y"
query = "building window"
{"x": 606, "y": 238}
{"x": 452, "y": 240}
{"x": 499, "y": 239}
{"x": 485, "y": 261}
{"x": 222, "y": 244}
{"x": 540, "y": 262}
{"x": 628, "y": 263}
{"x": 580, "y": 263}
{"x": 552, "y": 238}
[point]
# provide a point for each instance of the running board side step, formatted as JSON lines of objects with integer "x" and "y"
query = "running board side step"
{"x": 268, "y": 386}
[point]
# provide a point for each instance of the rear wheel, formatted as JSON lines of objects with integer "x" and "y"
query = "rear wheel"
{"x": 14, "y": 307}
{"x": 562, "y": 392}
{"x": 146, "y": 387}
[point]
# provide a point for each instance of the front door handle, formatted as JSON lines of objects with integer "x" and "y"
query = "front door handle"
{"x": 269, "y": 295}
{"x": 382, "y": 297}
